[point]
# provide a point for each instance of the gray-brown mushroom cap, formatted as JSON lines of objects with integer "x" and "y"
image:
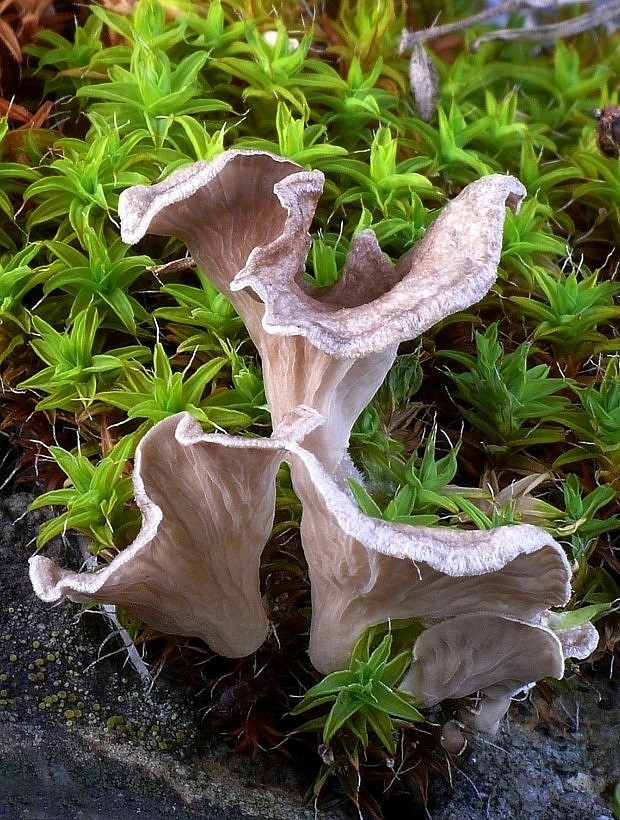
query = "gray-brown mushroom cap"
{"x": 498, "y": 657}
{"x": 365, "y": 571}
{"x": 207, "y": 505}
{"x": 245, "y": 217}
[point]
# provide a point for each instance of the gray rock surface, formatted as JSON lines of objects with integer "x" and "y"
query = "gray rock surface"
{"x": 565, "y": 767}
{"x": 81, "y": 736}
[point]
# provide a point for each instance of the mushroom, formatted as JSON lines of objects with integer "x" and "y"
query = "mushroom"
{"x": 460, "y": 583}
{"x": 498, "y": 657}
{"x": 245, "y": 218}
{"x": 207, "y": 503}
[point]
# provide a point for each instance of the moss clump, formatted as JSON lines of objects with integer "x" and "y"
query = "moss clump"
{"x": 99, "y": 341}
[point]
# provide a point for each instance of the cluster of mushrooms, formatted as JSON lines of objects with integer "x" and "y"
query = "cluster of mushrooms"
{"x": 207, "y": 500}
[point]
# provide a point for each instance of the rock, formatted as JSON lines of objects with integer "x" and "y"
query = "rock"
{"x": 81, "y": 736}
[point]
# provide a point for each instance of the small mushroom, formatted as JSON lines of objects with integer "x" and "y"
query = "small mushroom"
{"x": 482, "y": 652}
{"x": 452, "y": 738}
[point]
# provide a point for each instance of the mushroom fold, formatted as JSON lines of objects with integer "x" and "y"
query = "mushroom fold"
{"x": 208, "y": 499}
{"x": 194, "y": 567}
{"x": 245, "y": 218}
{"x": 365, "y": 571}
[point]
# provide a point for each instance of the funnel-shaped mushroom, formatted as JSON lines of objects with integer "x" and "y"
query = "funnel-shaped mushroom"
{"x": 208, "y": 499}
{"x": 497, "y": 656}
{"x": 208, "y": 504}
{"x": 365, "y": 571}
{"x": 481, "y": 652}
{"x": 245, "y": 218}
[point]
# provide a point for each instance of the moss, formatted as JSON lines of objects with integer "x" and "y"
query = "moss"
{"x": 338, "y": 101}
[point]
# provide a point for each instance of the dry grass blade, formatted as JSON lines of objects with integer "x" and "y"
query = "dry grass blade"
{"x": 20, "y": 20}
{"x": 18, "y": 114}
{"x": 10, "y": 41}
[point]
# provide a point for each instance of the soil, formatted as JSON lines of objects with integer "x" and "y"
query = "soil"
{"x": 82, "y": 736}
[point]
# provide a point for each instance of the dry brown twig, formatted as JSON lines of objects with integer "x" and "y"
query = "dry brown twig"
{"x": 608, "y": 15}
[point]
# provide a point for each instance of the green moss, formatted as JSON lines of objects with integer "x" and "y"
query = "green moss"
{"x": 526, "y": 382}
